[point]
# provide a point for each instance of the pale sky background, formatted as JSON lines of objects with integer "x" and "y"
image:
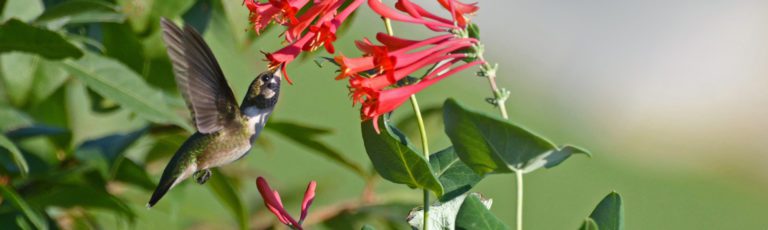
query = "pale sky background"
{"x": 672, "y": 79}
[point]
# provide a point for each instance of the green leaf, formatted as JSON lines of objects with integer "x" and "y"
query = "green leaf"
{"x": 36, "y": 218}
{"x": 18, "y": 75}
{"x": 48, "y": 78}
{"x": 199, "y": 15}
{"x": 609, "y": 213}
{"x": 455, "y": 176}
{"x": 81, "y": 11}
{"x": 19, "y": 36}
{"x": 131, "y": 172}
{"x": 34, "y": 131}
{"x": 16, "y": 155}
{"x": 442, "y": 215}
{"x": 121, "y": 43}
{"x": 223, "y": 189}
{"x": 118, "y": 83}
{"x": 474, "y": 214}
{"x": 113, "y": 146}
{"x": 490, "y": 145}
{"x": 308, "y": 137}
{"x": 395, "y": 159}
{"x": 72, "y": 195}
{"x": 589, "y": 224}
{"x": 367, "y": 227}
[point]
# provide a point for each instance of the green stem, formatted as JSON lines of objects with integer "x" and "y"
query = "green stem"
{"x": 519, "y": 176}
{"x": 425, "y": 149}
{"x": 491, "y": 75}
{"x": 422, "y": 131}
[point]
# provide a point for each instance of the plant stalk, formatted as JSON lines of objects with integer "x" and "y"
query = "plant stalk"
{"x": 425, "y": 149}
{"x": 422, "y": 132}
{"x": 519, "y": 181}
{"x": 491, "y": 75}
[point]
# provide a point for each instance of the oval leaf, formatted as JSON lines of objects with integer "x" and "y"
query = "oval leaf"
{"x": 490, "y": 145}
{"x": 118, "y": 83}
{"x": 19, "y": 36}
{"x": 395, "y": 159}
{"x": 227, "y": 194}
{"x": 609, "y": 213}
{"x": 18, "y": 158}
{"x": 475, "y": 214}
{"x": 442, "y": 215}
{"x": 455, "y": 176}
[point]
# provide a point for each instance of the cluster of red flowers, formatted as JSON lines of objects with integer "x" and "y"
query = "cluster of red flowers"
{"x": 374, "y": 77}
{"x": 275, "y": 205}
{"x": 315, "y": 27}
{"x": 396, "y": 58}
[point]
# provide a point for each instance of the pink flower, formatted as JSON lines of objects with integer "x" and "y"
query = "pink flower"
{"x": 275, "y": 205}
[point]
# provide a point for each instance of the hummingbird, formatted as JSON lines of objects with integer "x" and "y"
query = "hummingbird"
{"x": 225, "y": 131}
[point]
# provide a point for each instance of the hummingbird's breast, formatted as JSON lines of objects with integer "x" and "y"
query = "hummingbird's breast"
{"x": 231, "y": 144}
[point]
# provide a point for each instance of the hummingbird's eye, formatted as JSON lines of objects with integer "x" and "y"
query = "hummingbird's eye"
{"x": 267, "y": 77}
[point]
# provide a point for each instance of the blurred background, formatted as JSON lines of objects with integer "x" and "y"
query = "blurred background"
{"x": 671, "y": 97}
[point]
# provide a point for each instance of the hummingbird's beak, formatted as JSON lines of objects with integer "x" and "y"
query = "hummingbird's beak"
{"x": 279, "y": 71}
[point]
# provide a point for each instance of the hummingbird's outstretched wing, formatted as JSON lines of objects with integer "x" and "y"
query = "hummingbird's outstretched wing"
{"x": 199, "y": 78}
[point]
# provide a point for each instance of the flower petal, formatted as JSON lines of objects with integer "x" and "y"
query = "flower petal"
{"x": 273, "y": 203}
{"x": 381, "y": 9}
{"x": 309, "y": 196}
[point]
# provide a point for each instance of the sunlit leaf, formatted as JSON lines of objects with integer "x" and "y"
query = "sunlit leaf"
{"x": 223, "y": 189}
{"x": 16, "y": 35}
{"x": 81, "y": 11}
{"x": 608, "y": 215}
{"x": 33, "y": 216}
{"x": 455, "y": 176}
{"x": 442, "y": 215}
{"x": 18, "y": 74}
{"x": 394, "y": 157}
{"x": 16, "y": 155}
{"x": 307, "y": 136}
{"x": 490, "y": 145}
{"x": 116, "y": 82}
{"x": 48, "y": 79}
{"x": 475, "y": 214}
{"x": 13, "y": 118}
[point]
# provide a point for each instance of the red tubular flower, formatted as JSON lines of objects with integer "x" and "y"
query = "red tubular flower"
{"x": 374, "y": 77}
{"x": 275, "y": 205}
{"x": 315, "y": 27}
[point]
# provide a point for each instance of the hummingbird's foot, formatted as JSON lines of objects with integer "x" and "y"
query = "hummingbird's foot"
{"x": 202, "y": 176}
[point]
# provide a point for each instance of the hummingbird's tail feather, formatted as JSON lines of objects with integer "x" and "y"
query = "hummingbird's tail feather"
{"x": 181, "y": 166}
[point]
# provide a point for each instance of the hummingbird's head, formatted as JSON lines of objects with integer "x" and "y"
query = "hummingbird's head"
{"x": 263, "y": 91}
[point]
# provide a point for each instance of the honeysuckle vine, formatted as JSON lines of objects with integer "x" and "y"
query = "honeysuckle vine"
{"x": 381, "y": 80}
